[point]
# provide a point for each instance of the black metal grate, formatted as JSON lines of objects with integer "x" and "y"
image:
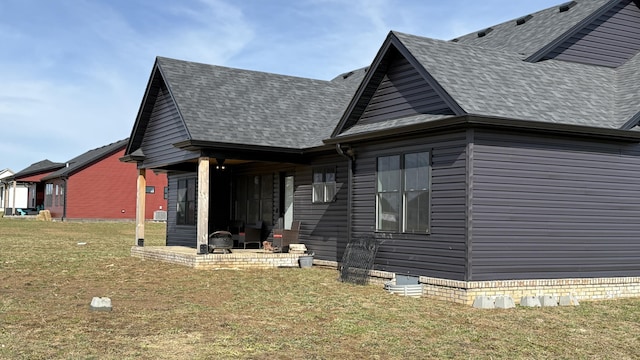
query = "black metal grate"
{"x": 358, "y": 260}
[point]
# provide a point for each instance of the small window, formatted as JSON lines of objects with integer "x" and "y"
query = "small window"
{"x": 150, "y": 190}
{"x": 324, "y": 185}
{"x": 166, "y": 192}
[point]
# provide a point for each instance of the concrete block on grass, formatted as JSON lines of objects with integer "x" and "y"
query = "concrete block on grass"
{"x": 530, "y": 301}
{"x": 548, "y": 300}
{"x": 505, "y": 302}
{"x": 484, "y": 302}
{"x": 568, "y": 300}
{"x": 100, "y": 304}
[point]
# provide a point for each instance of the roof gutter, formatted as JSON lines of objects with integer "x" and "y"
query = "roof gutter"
{"x": 243, "y": 151}
{"x": 197, "y": 145}
{"x": 493, "y": 122}
{"x": 131, "y": 159}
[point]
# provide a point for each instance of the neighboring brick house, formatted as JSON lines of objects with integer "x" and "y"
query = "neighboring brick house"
{"x": 95, "y": 185}
{"x": 24, "y": 189}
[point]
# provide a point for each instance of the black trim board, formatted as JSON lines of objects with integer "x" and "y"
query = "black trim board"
{"x": 483, "y": 121}
{"x": 633, "y": 122}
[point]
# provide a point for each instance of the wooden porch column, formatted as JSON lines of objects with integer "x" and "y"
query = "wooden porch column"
{"x": 140, "y": 206}
{"x": 203, "y": 205}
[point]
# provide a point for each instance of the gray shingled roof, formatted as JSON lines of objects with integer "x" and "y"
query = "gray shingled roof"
{"x": 220, "y": 104}
{"x": 543, "y": 27}
{"x": 486, "y": 76}
{"x": 497, "y": 83}
{"x": 81, "y": 161}
{"x": 37, "y": 168}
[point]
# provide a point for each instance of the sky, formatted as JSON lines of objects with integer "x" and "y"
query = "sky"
{"x": 73, "y": 72}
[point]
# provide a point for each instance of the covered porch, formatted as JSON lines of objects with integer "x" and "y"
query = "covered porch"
{"x": 211, "y": 194}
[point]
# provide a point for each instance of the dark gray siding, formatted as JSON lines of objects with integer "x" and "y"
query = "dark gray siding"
{"x": 554, "y": 208}
{"x": 442, "y": 252}
{"x": 323, "y": 225}
{"x": 178, "y": 235}
{"x": 609, "y": 41}
{"x": 403, "y": 92}
{"x": 164, "y": 129}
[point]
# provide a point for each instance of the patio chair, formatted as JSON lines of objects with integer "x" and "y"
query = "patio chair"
{"x": 235, "y": 228}
{"x": 282, "y": 238}
{"x": 252, "y": 235}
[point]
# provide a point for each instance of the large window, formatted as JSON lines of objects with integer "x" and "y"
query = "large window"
{"x": 403, "y": 193}
{"x": 324, "y": 185}
{"x": 186, "y": 209}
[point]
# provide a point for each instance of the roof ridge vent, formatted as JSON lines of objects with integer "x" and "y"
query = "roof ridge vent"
{"x": 566, "y": 6}
{"x": 485, "y": 32}
{"x": 523, "y": 19}
{"x": 344, "y": 76}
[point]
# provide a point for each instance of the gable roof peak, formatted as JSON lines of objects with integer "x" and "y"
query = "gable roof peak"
{"x": 396, "y": 86}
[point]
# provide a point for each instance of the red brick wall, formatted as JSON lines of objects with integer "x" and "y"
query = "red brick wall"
{"x": 107, "y": 190}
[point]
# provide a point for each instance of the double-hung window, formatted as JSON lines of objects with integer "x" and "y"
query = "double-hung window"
{"x": 324, "y": 185}
{"x": 403, "y": 193}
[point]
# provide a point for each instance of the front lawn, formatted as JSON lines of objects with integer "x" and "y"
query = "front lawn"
{"x": 162, "y": 311}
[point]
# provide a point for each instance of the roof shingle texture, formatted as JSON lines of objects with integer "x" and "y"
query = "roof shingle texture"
{"x": 220, "y": 104}
{"x": 543, "y": 27}
{"x": 497, "y": 83}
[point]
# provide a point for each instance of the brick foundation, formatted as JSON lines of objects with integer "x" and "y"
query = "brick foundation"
{"x": 462, "y": 292}
{"x": 237, "y": 259}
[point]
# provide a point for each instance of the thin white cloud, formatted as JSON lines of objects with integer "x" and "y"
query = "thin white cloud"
{"x": 74, "y": 71}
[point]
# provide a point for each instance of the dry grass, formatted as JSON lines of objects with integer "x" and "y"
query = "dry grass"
{"x": 163, "y": 311}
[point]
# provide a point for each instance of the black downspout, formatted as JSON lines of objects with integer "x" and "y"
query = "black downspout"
{"x": 350, "y": 163}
